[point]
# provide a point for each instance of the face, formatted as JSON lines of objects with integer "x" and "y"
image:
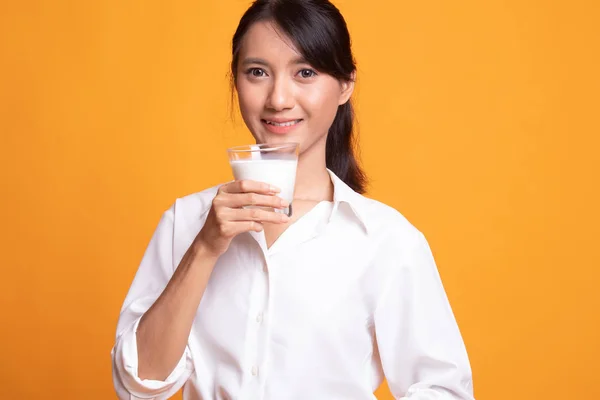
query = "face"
{"x": 282, "y": 98}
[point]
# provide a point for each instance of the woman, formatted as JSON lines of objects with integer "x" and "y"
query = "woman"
{"x": 236, "y": 303}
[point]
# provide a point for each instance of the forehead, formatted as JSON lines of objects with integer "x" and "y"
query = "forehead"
{"x": 265, "y": 40}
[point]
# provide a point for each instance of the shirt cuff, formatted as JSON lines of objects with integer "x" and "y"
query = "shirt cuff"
{"x": 125, "y": 359}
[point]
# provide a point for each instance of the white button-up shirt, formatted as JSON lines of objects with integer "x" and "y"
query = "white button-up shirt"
{"x": 348, "y": 294}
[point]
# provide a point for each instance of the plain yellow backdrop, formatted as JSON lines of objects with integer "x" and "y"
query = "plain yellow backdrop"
{"x": 478, "y": 121}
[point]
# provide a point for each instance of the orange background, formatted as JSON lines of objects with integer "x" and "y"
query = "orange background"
{"x": 478, "y": 121}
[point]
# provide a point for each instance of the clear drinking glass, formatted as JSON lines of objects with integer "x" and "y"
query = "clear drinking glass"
{"x": 273, "y": 164}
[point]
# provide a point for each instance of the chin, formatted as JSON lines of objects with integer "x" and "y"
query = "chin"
{"x": 271, "y": 138}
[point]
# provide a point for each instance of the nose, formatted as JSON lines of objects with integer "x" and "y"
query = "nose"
{"x": 281, "y": 95}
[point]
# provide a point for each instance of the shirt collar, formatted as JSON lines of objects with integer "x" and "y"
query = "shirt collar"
{"x": 344, "y": 194}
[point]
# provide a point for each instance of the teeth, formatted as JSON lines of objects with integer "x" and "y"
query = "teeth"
{"x": 290, "y": 123}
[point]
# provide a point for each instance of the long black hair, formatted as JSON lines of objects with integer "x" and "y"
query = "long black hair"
{"x": 319, "y": 31}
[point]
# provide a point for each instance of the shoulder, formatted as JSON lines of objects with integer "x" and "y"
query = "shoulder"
{"x": 185, "y": 218}
{"x": 398, "y": 242}
{"x": 385, "y": 220}
{"x": 193, "y": 206}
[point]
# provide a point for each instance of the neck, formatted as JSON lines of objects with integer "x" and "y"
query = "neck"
{"x": 313, "y": 182}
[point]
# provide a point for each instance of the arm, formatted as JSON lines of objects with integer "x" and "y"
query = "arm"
{"x": 421, "y": 349}
{"x": 150, "y": 357}
{"x": 164, "y": 329}
{"x": 137, "y": 370}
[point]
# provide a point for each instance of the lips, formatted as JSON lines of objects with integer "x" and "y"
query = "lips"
{"x": 281, "y": 126}
{"x": 288, "y": 123}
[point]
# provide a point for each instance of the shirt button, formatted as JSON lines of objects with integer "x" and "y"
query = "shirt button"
{"x": 254, "y": 370}
{"x": 259, "y": 317}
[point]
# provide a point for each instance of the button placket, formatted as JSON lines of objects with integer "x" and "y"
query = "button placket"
{"x": 257, "y": 330}
{"x": 262, "y": 321}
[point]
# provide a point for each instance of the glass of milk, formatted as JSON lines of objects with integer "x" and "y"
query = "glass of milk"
{"x": 273, "y": 164}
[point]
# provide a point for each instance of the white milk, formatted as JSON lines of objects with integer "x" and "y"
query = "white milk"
{"x": 280, "y": 173}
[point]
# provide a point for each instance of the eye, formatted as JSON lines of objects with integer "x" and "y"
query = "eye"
{"x": 307, "y": 73}
{"x": 256, "y": 72}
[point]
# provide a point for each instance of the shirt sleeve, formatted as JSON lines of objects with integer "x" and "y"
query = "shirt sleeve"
{"x": 421, "y": 349}
{"x": 150, "y": 280}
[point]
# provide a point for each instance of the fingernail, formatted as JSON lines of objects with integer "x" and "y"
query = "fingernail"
{"x": 284, "y": 203}
{"x": 274, "y": 189}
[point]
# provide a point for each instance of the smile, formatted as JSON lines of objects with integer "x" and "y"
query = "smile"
{"x": 287, "y": 123}
{"x": 281, "y": 126}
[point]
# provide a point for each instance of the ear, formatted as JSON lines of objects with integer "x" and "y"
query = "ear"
{"x": 347, "y": 89}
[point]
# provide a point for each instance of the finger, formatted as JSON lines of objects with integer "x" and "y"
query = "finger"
{"x": 247, "y": 186}
{"x": 235, "y": 228}
{"x": 256, "y": 214}
{"x": 239, "y": 200}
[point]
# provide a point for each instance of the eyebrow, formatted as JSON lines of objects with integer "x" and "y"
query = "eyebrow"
{"x": 260, "y": 61}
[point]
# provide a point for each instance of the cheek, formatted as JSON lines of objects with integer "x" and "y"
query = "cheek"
{"x": 249, "y": 98}
{"x": 322, "y": 103}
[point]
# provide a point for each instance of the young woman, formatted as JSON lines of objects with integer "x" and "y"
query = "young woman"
{"x": 236, "y": 303}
